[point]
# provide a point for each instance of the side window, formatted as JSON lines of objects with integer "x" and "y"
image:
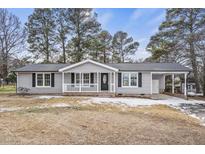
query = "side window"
{"x": 43, "y": 80}
{"x": 133, "y": 79}
{"x": 39, "y": 80}
{"x": 47, "y": 80}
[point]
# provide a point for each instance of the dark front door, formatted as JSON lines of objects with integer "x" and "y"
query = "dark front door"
{"x": 104, "y": 81}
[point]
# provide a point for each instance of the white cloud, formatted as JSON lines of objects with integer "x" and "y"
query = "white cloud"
{"x": 105, "y": 18}
{"x": 136, "y": 14}
{"x": 141, "y": 53}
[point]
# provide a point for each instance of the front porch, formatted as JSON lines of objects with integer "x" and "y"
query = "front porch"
{"x": 88, "y": 82}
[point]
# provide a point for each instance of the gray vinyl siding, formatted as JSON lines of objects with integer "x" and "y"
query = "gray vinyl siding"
{"x": 161, "y": 79}
{"x": 25, "y": 80}
{"x": 88, "y": 67}
{"x": 145, "y": 89}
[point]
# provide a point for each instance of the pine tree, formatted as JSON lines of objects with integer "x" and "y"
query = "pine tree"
{"x": 179, "y": 36}
{"x": 84, "y": 27}
{"x": 62, "y": 23}
{"x": 41, "y": 33}
{"x": 124, "y": 46}
{"x": 102, "y": 46}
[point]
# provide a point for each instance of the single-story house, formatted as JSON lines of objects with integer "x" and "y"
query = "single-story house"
{"x": 91, "y": 77}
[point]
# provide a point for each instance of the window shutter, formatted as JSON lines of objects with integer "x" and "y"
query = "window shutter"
{"x": 33, "y": 79}
{"x": 91, "y": 78}
{"x": 139, "y": 79}
{"x": 52, "y": 80}
{"x": 72, "y": 78}
{"x": 119, "y": 79}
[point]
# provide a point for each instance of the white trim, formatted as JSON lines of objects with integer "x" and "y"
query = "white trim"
{"x": 63, "y": 82}
{"x": 97, "y": 81}
{"x": 80, "y": 89}
{"x": 77, "y": 84}
{"x": 43, "y": 73}
{"x": 185, "y": 84}
{"x": 169, "y": 72}
{"x": 88, "y": 80}
{"x": 86, "y": 61}
{"x": 129, "y": 80}
{"x": 114, "y": 83}
{"x": 173, "y": 83}
{"x": 151, "y": 82}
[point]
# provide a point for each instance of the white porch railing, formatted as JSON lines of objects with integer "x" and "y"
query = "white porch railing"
{"x": 68, "y": 87}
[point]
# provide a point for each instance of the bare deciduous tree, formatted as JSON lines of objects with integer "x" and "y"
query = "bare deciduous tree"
{"x": 12, "y": 37}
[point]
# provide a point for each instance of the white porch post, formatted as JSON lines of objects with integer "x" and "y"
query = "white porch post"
{"x": 110, "y": 81}
{"x": 63, "y": 82}
{"x": 97, "y": 82}
{"x": 172, "y": 83}
{"x": 114, "y": 83}
{"x": 164, "y": 82}
{"x": 151, "y": 83}
{"x": 185, "y": 82}
{"x": 80, "y": 82}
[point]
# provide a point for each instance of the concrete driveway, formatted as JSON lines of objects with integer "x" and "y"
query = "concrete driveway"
{"x": 191, "y": 107}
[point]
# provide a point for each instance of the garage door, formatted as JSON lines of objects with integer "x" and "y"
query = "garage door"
{"x": 155, "y": 86}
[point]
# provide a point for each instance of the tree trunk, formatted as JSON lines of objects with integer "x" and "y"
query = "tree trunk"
{"x": 194, "y": 67}
{"x": 5, "y": 67}
{"x": 192, "y": 53}
{"x": 64, "y": 55}
{"x": 104, "y": 57}
{"x": 4, "y": 71}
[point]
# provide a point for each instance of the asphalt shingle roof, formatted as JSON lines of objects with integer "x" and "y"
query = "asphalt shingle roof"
{"x": 150, "y": 67}
{"x": 121, "y": 66}
{"x": 41, "y": 68}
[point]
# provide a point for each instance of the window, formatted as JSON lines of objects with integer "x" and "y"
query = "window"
{"x": 133, "y": 79}
{"x": 129, "y": 79}
{"x": 77, "y": 79}
{"x": 125, "y": 79}
{"x": 43, "y": 80}
{"x": 39, "y": 79}
{"x": 86, "y": 79}
{"x": 47, "y": 79}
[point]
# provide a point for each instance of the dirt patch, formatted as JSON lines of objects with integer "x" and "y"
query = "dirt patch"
{"x": 79, "y": 123}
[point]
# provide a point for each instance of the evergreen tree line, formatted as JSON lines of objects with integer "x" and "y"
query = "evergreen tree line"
{"x": 72, "y": 35}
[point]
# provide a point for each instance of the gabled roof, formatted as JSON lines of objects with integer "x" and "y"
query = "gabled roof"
{"x": 41, "y": 68}
{"x": 115, "y": 67}
{"x": 88, "y": 61}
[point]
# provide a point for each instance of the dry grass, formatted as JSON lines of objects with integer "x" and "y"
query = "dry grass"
{"x": 94, "y": 123}
{"x": 7, "y": 89}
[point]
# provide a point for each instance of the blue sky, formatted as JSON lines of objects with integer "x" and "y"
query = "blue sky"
{"x": 141, "y": 23}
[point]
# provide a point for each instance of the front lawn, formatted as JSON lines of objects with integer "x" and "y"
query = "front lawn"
{"x": 75, "y": 120}
{"x": 8, "y": 89}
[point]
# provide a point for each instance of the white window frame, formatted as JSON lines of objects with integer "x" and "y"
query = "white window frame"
{"x": 43, "y": 86}
{"x": 81, "y": 75}
{"x": 77, "y": 84}
{"x": 87, "y": 85}
{"x": 129, "y": 86}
